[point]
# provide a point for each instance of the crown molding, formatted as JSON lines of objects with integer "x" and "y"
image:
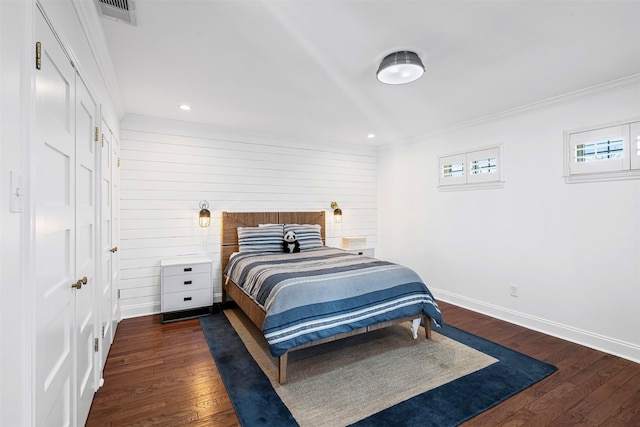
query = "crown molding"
{"x": 597, "y": 90}
{"x": 92, "y": 27}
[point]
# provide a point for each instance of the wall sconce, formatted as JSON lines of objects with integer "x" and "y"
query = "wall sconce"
{"x": 337, "y": 212}
{"x": 205, "y": 215}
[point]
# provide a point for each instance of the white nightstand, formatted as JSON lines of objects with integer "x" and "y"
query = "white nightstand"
{"x": 186, "y": 288}
{"x": 364, "y": 251}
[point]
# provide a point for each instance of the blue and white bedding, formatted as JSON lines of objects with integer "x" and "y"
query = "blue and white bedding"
{"x": 322, "y": 292}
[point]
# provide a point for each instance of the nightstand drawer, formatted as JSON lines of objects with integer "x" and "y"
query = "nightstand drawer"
{"x": 185, "y": 282}
{"x": 188, "y": 299}
{"x": 175, "y": 270}
{"x": 364, "y": 252}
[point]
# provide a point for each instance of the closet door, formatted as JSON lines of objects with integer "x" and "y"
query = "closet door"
{"x": 55, "y": 270}
{"x": 64, "y": 247}
{"x": 115, "y": 232}
{"x": 106, "y": 250}
{"x": 86, "y": 220}
{"x": 109, "y": 238}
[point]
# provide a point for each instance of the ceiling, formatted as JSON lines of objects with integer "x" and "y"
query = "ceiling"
{"x": 305, "y": 70}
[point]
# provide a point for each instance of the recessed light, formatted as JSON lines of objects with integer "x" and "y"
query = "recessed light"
{"x": 185, "y": 107}
{"x": 371, "y": 135}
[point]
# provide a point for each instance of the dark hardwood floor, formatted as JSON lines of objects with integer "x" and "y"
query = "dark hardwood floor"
{"x": 163, "y": 375}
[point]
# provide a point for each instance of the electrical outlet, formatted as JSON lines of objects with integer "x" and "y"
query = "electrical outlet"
{"x": 513, "y": 290}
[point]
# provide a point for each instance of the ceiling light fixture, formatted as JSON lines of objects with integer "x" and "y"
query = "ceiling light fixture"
{"x": 185, "y": 107}
{"x": 371, "y": 136}
{"x": 400, "y": 67}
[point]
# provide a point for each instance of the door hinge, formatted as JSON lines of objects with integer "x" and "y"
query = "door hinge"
{"x": 118, "y": 293}
{"x": 118, "y": 161}
{"x": 38, "y": 55}
{"x": 96, "y": 345}
{"x": 103, "y": 332}
{"x": 97, "y": 134}
{"x": 103, "y": 139}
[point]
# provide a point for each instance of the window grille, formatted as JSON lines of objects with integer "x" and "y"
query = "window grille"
{"x": 453, "y": 169}
{"x": 484, "y": 166}
{"x": 601, "y": 150}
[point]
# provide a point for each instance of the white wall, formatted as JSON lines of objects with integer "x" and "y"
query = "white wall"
{"x": 15, "y": 367}
{"x": 572, "y": 249}
{"x": 167, "y": 167}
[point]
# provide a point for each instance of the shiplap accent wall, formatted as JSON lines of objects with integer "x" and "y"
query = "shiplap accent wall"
{"x": 167, "y": 167}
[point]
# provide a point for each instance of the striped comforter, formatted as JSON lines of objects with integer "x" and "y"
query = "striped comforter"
{"x": 319, "y": 293}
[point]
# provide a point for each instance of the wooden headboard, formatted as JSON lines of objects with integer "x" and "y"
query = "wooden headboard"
{"x": 232, "y": 220}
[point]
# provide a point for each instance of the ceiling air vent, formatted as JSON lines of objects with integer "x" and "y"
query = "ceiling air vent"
{"x": 120, "y": 10}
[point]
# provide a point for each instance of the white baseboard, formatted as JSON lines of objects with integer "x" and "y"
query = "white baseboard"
{"x": 579, "y": 336}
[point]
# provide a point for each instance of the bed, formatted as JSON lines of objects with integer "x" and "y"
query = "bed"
{"x": 318, "y": 295}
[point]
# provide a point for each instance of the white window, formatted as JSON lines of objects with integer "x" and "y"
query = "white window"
{"x": 483, "y": 165}
{"x": 479, "y": 168}
{"x": 603, "y": 153}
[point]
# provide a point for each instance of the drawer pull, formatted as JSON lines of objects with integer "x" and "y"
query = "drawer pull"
{"x": 188, "y": 282}
{"x": 188, "y": 269}
{"x": 187, "y": 298}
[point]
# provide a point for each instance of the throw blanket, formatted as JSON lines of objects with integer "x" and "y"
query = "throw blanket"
{"x": 319, "y": 293}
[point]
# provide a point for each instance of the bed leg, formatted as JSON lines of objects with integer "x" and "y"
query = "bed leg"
{"x": 224, "y": 291}
{"x": 282, "y": 368}
{"x": 427, "y": 326}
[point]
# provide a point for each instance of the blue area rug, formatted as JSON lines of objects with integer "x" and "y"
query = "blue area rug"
{"x": 257, "y": 404}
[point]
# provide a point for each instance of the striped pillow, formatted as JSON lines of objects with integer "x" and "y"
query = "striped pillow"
{"x": 308, "y": 235}
{"x": 260, "y": 239}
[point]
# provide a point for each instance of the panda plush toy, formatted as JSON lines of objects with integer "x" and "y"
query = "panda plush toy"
{"x": 290, "y": 243}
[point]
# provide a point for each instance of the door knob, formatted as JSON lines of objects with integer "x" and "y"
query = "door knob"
{"x": 79, "y": 283}
{"x": 114, "y": 249}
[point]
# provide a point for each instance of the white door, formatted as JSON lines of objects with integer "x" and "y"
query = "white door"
{"x": 115, "y": 232}
{"x": 54, "y": 187}
{"x": 106, "y": 293}
{"x": 86, "y": 214}
{"x": 64, "y": 250}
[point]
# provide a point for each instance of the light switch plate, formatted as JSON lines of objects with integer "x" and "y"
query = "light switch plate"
{"x": 17, "y": 191}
